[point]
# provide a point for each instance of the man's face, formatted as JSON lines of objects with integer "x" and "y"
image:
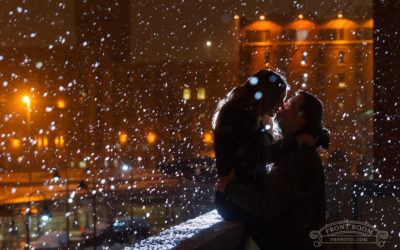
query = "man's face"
{"x": 289, "y": 118}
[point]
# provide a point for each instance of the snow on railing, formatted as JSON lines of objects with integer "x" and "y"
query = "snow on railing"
{"x": 172, "y": 237}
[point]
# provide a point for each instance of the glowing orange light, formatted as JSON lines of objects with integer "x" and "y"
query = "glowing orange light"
{"x": 236, "y": 17}
{"x": 340, "y": 15}
{"x": 262, "y": 17}
{"x": 26, "y": 99}
{"x": 15, "y": 143}
{"x": 208, "y": 137}
{"x": 123, "y": 138}
{"x": 45, "y": 142}
{"x": 151, "y": 138}
{"x": 59, "y": 141}
{"x": 34, "y": 210}
{"x": 301, "y": 16}
{"x": 39, "y": 142}
{"x": 61, "y": 104}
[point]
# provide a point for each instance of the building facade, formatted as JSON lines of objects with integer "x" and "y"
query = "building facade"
{"x": 332, "y": 60}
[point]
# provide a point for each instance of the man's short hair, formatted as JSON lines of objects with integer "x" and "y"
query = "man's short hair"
{"x": 311, "y": 110}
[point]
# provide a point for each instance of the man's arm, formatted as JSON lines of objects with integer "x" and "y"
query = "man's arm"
{"x": 276, "y": 194}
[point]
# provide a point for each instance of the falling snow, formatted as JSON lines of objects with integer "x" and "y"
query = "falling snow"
{"x": 106, "y": 111}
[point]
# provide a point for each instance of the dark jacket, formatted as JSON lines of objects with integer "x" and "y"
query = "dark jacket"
{"x": 244, "y": 145}
{"x": 239, "y": 144}
{"x": 290, "y": 204}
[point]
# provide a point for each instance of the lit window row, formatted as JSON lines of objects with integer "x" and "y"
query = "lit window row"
{"x": 151, "y": 138}
{"x": 340, "y": 78}
{"x": 41, "y": 142}
{"x": 301, "y": 35}
{"x": 61, "y": 104}
{"x": 201, "y": 94}
{"x": 304, "y": 56}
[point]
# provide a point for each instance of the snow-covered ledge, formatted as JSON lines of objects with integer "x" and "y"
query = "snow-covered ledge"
{"x": 208, "y": 231}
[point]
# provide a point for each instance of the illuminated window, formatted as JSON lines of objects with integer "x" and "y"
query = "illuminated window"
{"x": 41, "y": 141}
{"x": 201, "y": 94}
{"x": 15, "y": 143}
{"x": 304, "y": 77}
{"x": 61, "y": 104}
{"x": 45, "y": 141}
{"x": 82, "y": 164}
{"x": 151, "y": 138}
{"x": 123, "y": 138}
{"x": 257, "y": 35}
{"x": 342, "y": 83}
{"x": 301, "y": 35}
{"x": 341, "y": 57}
{"x": 340, "y": 102}
{"x": 267, "y": 58}
{"x": 186, "y": 94}
{"x": 59, "y": 141}
{"x": 304, "y": 58}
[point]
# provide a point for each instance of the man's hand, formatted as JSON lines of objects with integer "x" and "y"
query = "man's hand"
{"x": 224, "y": 180}
{"x": 304, "y": 138}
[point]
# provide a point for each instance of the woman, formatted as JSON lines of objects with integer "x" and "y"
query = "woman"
{"x": 241, "y": 140}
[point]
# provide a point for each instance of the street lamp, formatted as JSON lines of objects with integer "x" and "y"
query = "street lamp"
{"x": 27, "y": 100}
{"x": 45, "y": 216}
{"x": 125, "y": 167}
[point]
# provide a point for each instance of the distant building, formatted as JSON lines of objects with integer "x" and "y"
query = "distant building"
{"x": 332, "y": 60}
{"x": 93, "y": 107}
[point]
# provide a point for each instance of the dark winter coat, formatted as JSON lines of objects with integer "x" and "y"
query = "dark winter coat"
{"x": 244, "y": 145}
{"x": 240, "y": 144}
{"x": 290, "y": 204}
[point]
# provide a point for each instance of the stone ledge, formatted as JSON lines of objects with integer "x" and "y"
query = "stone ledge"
{"x": 208, "y": 231}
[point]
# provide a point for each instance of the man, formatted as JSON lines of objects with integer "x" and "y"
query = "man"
{"x": 292, "y": 201}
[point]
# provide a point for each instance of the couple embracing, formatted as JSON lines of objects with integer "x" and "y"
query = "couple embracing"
{"x": 281, "y": 204}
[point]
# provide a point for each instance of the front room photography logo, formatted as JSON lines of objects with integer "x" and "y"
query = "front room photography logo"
{"x": 349, "y": 232}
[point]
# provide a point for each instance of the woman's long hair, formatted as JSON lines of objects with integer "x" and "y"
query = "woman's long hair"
{"x": 263, "y": 87}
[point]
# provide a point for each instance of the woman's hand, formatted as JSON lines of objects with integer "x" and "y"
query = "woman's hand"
{"x": 224, "y": 180}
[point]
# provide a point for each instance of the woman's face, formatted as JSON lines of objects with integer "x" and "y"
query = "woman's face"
{"x": 271, "y": 111}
